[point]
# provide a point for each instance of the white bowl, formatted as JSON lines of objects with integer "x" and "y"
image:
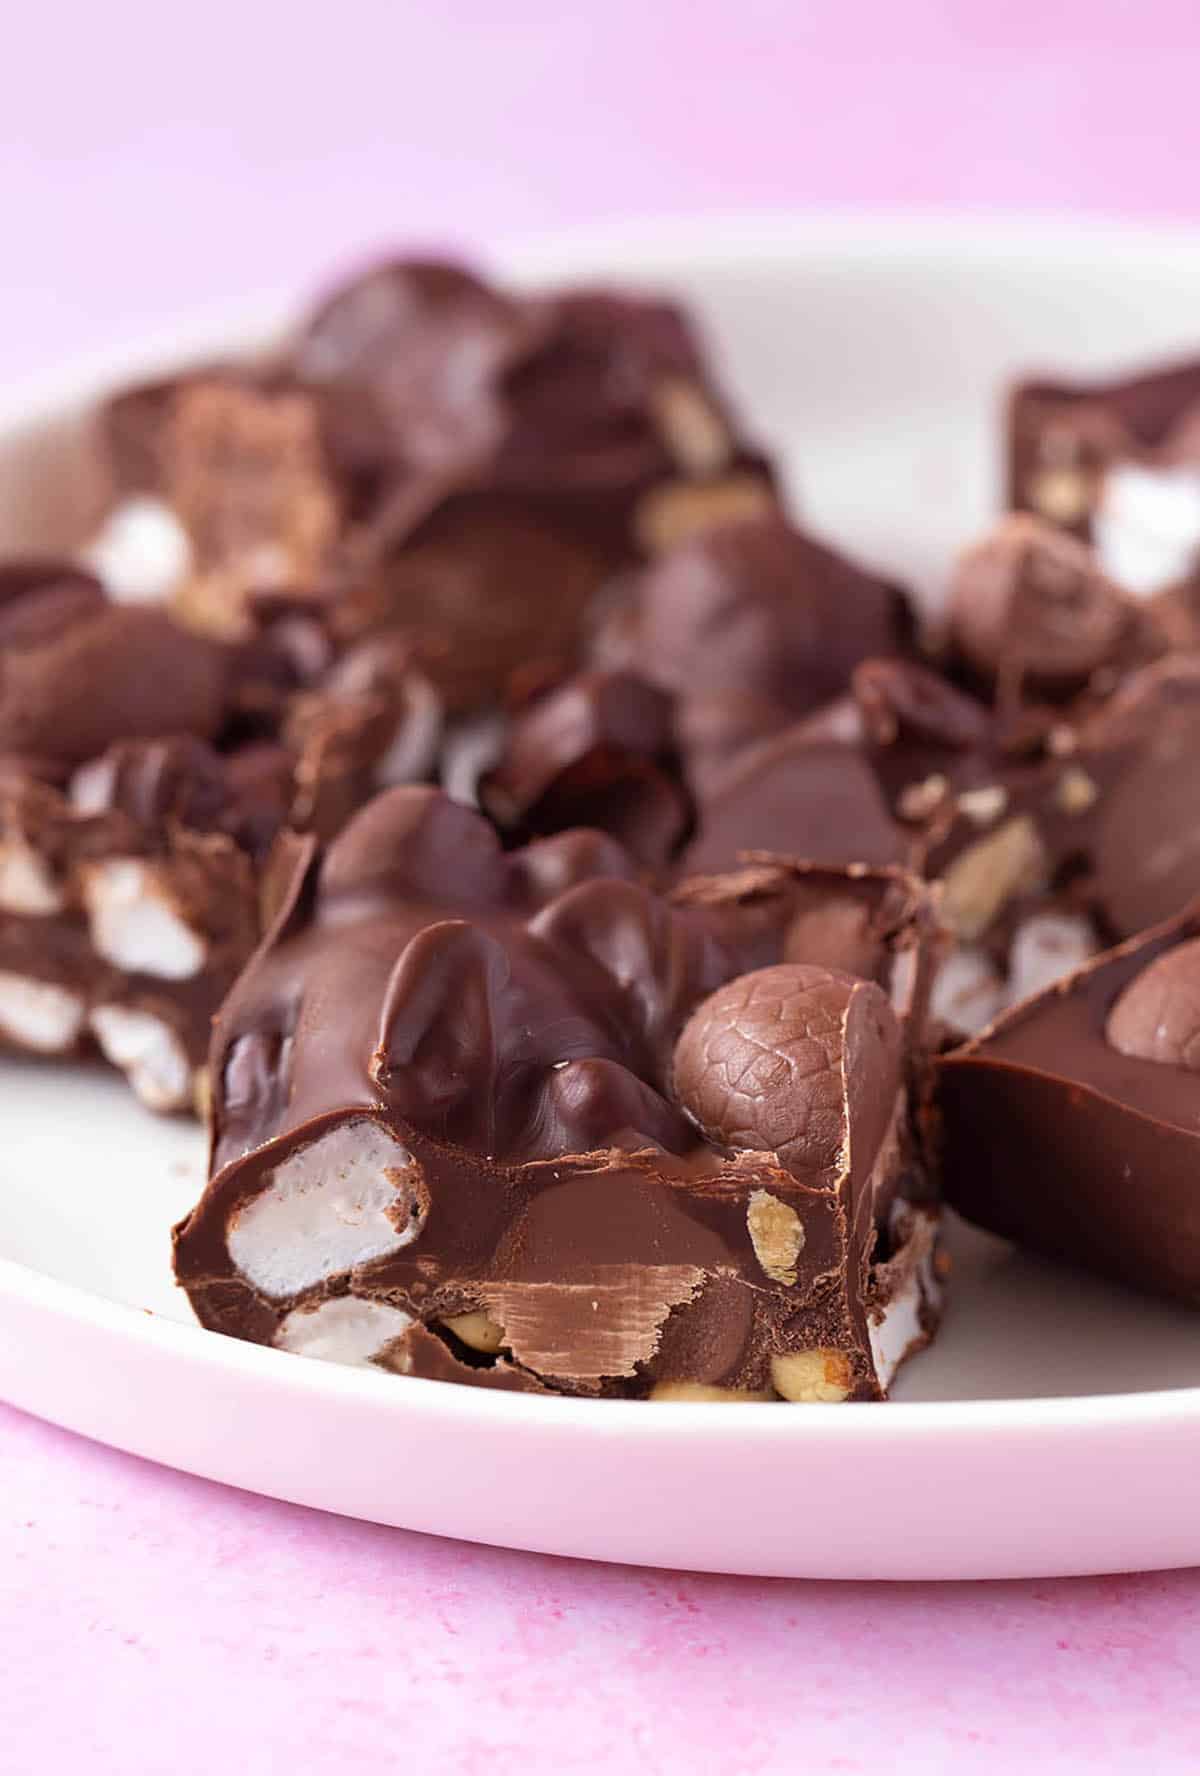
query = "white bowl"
{"x": 1055, "y": 1427}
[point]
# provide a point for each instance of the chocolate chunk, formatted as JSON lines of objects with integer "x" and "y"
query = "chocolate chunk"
{"x": 77, "y": 672}
{"x": 759, "y": 608}
{"x": 599, "y": 751}
{"x": 806, "y": 799}
{"x": 246, "y": 476}
{"x": 1070, "y": 1125}
{"x": 484, "y": 586}
{"x": 445, "y": 1096}
{"x": 423, "y": 345}
{"x": 1117, "y": 463}
{"x": 1138, "y": 753}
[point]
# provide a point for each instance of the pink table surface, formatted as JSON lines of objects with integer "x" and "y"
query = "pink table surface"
{"x": 157, "y": 159}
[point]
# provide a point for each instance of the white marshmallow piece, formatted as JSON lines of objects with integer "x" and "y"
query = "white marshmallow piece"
{"x": 39, "y": 1015}
{"x": 134, "y": 926}
{"x": 148, "y": 1052}
{"x": 325, "y": 1211}
{"x": 899, "y": 1329}
{"x": 142, "y": 553}
{"x": 1045, "y": 947}
{"x": 1147, "y": 526}
{"x": 26, "y": 884}
{"x": 967, "y": 992}
{"x": 472, "y": 747}
{"x": 414, "y": 746}
{"x": 345, "y": 1330}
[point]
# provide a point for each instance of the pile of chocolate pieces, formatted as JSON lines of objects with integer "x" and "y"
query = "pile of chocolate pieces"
{"x": 624, "y": 924}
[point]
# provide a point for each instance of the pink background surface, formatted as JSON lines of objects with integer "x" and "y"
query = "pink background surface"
{"x": 153, "y": 160}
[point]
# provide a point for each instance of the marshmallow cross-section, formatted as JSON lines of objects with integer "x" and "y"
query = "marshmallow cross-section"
{"x": 340, "y": 1201}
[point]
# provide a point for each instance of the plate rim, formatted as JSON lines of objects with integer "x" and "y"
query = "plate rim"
{"x": 665, "y": 246}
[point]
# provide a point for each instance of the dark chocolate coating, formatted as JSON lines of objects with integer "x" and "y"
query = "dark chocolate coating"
{"x": 760, "y": 608}
{"x": 598, "y": 751}
{"x": 802, "y": 798}
{"x": 77, "y": 672}
{"x": 1055, "y": 1138}
{"x": 512, "y": 1021}
{"x": 409, "y": 358}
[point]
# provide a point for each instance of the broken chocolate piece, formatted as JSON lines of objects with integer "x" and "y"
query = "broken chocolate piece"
{"x": 1070, "y": 1124}
{"x": 77, "y": 672}
{"x": 598, "y": 751}
{"x": 1117, "y": 463}
{"x": 800, "y": 797}
{"x": 759, "y": 608}
{"x": 457, "y": 1085}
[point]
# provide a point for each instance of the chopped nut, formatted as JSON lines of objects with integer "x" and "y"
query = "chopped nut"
{"x": 917, "y": 801}
{"x": 693, "y": 433}
{"x": 984, "y": 805}
{"x": 1062, "y": 740}
{"x": 984, "y": 877}
{"x": 1062, "y": 495}
{"x": 202, "y": 1097}
{"x": 777, "y": 1235}
{"x": 679, "y": 509}
{"x": 694, "y": 1391}
{"x": 1076, "y": 791}
{"x": 477, "y": 1330}
{"x": 812, "y": 1377}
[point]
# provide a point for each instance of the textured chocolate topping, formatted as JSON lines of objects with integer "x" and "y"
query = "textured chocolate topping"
{"x": 766, "y": 1063}
{"x": 1072, "y": 1124}
{"x": 486, "y": 1044}
{"x": 1031, "y": 608}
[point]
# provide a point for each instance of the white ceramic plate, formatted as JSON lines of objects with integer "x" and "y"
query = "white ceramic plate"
{"x": 1055, "y": 1428}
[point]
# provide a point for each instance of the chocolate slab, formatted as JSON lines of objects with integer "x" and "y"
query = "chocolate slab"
{"x": 1117, "y": 463}
{"x": 1072, "y": 1124}
{"x": 605, "y": 1142}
